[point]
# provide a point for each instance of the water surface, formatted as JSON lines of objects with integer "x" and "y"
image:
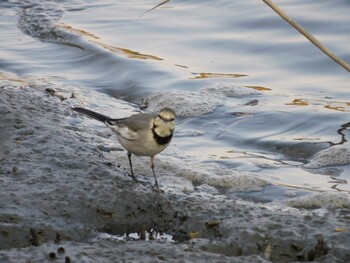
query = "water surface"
{"x": 292, "y": 100}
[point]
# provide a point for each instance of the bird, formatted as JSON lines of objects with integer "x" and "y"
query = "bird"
{"x": 141, "y": 134}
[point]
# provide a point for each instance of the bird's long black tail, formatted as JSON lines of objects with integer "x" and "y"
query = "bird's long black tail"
{"x": 92, "y": 114}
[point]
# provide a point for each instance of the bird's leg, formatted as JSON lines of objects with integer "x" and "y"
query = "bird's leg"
{"x": 132, "y": 172}
{"x": 154, "y": 174}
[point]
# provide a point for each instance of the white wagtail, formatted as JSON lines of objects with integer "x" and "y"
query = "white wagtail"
{"x": 142, "y": 134}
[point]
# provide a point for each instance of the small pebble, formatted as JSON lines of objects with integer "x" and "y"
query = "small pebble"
{"x": 52, "y": 255}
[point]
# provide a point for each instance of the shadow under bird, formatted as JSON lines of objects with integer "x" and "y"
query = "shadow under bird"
{"x": 142, "y": 134}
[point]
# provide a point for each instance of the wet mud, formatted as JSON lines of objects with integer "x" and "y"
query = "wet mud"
{"x": 66, "y": 197}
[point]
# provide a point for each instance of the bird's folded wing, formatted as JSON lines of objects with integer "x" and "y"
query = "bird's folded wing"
{"x": 124, "y": 131}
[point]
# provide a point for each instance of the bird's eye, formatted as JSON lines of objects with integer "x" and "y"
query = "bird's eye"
{"x": 166, "y": 119}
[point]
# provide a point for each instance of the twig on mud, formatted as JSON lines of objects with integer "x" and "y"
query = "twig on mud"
{"x": 53, "y": 92}
{"x": 312, "y": 39}
{"x": 76, "y": 96}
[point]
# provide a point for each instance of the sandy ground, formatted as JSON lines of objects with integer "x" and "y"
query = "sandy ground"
{"x": 65, "y": 197}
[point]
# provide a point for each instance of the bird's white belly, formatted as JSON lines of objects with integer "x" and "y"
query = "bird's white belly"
{"x": 145, "y": 146}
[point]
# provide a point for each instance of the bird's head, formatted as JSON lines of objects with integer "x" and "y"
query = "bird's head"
{"x": 164, "y": 123}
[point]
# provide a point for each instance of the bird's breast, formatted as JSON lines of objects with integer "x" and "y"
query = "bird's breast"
{"x": 162, "y": 140}
{"x": 145, "y": 145}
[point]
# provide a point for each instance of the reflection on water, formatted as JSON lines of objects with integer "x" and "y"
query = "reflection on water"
{"x": 131, "y": 54}
{"x": 327, "y": 104}
{"x": 341, "y": 132}
{"x": 179, "y": 56}
{"x": 217, "y": 75}
{"x": 258, "y": 87}
{"x": 94, "y": 39}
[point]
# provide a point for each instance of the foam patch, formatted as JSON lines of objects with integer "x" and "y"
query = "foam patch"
{"x": 237, "y": 181}
{"x": 336, "y": 155}
{"x": 192, "y": 104}
{"x": 240, "y": 183}
{"x": 187, "y": 133}
{"x": 184, "y": 103}
{"x": 228, "y": 90}
{"x": 322, "y": 200}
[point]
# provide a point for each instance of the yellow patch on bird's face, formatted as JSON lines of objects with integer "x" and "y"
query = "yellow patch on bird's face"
{"x": 167, "y": 114}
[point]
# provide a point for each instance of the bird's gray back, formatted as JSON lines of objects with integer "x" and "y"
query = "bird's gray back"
{"x": 139, "y": 121}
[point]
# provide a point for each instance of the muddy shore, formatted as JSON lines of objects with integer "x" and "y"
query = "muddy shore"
{"x": 66, "y": 197}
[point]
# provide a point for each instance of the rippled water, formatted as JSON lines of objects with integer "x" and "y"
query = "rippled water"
{"x": 252, "y": 94}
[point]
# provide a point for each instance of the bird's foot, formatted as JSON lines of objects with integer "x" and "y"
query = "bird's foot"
{"x": 157, "y": 189}
{"x": 133, "y": 177}
{"x": 139, "y": 181}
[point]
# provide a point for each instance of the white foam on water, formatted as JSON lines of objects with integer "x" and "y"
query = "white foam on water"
{"x": 184, "y": 103}
{"x": 336, "y": 155}
{"x": 38, "y": 18}
{"x": 191, "y": 104}
{"x": 240, "y": 183}
{"x": 187, "y": 133}
{"x": 229, "y": 90}
{"x": 322, "y": 200}
{"x": 218, "y": 177}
